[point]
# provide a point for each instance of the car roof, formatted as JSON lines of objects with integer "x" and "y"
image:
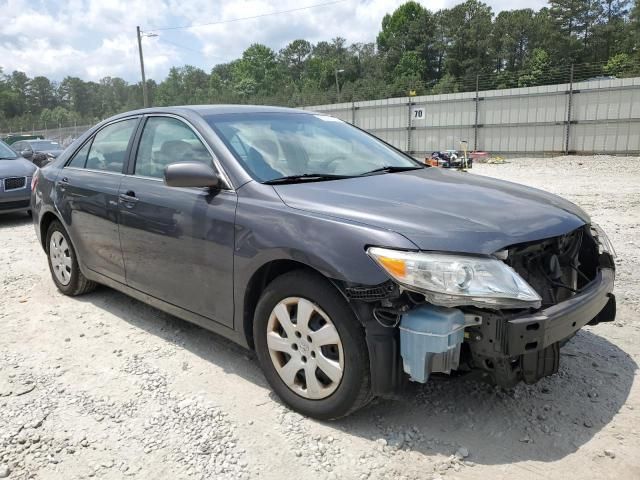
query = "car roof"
{"x": 208, "y": 110}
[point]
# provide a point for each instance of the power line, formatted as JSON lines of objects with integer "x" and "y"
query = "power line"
{"x": 164, "y": 40}
{"x": 199, "y": 52}
{"x": 249, "y": 18}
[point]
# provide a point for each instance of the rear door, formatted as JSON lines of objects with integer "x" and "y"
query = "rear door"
{"x": 177, "y": 242}
{"x": 87, "y": 196}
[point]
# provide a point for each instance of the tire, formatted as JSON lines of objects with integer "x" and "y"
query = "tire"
{"x": 63, "y": 263}
{"x": 340, "y": 365}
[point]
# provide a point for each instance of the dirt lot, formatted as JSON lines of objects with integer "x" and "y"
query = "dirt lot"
{"x": 103, "y": 386}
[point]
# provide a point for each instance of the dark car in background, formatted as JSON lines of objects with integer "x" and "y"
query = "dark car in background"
{"x": 332, "y": 254}
{"x": 16, "y": 174}
{"x": 40, "y": 152}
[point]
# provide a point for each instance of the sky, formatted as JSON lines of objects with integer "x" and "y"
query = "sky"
{"x": 92, "y": 39}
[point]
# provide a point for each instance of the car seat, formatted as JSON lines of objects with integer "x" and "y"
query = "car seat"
{"x": 296, "y": 157}
{"x": 260, "y": 167}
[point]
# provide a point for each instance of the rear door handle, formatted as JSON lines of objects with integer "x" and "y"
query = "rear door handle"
{"x": 64, "y": 182}
{"x": 128, "y": 197}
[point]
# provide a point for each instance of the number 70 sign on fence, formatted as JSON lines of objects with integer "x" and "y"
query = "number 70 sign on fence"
{"x": 417, "y": 113}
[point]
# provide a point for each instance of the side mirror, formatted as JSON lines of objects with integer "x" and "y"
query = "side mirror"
{"x": 191, "y": 174}
{"x": 26, "y": 153}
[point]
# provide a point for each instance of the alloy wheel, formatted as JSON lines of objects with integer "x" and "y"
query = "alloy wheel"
{"x": 305, "y": 348}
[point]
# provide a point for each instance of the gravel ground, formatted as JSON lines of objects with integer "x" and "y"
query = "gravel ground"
{"x": 103, "y": 386}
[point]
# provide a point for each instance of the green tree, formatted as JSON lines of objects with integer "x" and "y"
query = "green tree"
{"x": 512, "y": 38}
{"x": 633, "y": 43}
{"x": 536, "y": 69}
{"x": 40, "y": 94}
{"x": 621, "y": 65}
{"x": 468, "y": 51}
{"x": 407, "y": 37}
{"x": 256, "y": 72}
{"x": 294, "y": 56}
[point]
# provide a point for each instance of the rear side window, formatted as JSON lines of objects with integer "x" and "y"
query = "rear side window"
{"x": 167, "y": 140}
{"x": 108, "y": 149}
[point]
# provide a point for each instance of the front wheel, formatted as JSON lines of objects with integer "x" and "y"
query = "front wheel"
{"x": 311, "y": 347}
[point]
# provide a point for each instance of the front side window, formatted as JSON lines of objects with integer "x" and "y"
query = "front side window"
{"x": 109, "y": 147}
{"x": 168, "y": 140}
{"x": 276, "y": 145}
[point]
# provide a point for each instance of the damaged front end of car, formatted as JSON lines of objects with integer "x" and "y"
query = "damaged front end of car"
{"x": 503, "y": 317}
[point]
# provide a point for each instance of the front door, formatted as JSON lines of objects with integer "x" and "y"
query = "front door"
{"x": 177, "y": 243}
{"x": 87, "y": 197}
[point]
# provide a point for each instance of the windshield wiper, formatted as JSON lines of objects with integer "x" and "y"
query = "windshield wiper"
{"x": 391, "y": 169}
{"x": 306, "y": 177}
{"x": 8, "y": 158}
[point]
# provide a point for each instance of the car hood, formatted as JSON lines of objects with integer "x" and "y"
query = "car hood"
{"x": 18, "y": 167}
{"x": 441, "y": 210}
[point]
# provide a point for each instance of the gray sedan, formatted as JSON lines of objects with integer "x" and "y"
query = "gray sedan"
{"x": 349, "y": 267}
{"x": 15, "y": 181}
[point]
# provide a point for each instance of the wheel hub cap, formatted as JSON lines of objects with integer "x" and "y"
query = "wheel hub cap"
{"x": 305, "y": 348}
{"x": 60, "y": 256}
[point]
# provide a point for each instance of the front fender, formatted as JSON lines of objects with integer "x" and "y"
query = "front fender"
{"x": 267, "y": 230}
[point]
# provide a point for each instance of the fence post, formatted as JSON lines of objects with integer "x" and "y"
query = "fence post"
{"x": 475, "y": 123}
{"x": 409, "y": 104}
{"x": 569, "y": 105}
{"x": 353, "y": 113}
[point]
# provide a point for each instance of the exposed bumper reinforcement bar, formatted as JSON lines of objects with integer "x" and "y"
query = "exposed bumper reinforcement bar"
{"x": 534, "y": 332}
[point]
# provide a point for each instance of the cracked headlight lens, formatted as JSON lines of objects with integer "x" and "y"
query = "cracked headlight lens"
{"x": 603, "y": 239}
{"x": 452, "y": 280}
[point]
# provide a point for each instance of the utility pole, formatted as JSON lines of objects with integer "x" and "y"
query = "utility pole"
{"x": 337, "y": 84}
{"x": 145, "y": 94}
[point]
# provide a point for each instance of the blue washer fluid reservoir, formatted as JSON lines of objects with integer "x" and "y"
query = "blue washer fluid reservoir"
{"x": 430, "y": 339}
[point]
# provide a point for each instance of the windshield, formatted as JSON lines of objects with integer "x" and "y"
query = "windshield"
{"x": 276, "y": 145}
{"x": 45, "y": 145}
{"x": 6, "y": 153}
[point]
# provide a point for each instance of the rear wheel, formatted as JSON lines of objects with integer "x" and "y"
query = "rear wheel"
{"x": 63, "y": 262}
{"x": 311, "y": 347}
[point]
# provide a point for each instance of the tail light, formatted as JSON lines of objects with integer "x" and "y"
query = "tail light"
{"x": 34, "y": 180}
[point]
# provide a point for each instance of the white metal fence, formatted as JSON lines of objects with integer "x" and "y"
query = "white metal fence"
{"x": 598, "y": 116}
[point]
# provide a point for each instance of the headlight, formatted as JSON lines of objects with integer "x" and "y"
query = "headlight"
{"x": 451, "y": 280}
{"x": 603, "y": 239}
